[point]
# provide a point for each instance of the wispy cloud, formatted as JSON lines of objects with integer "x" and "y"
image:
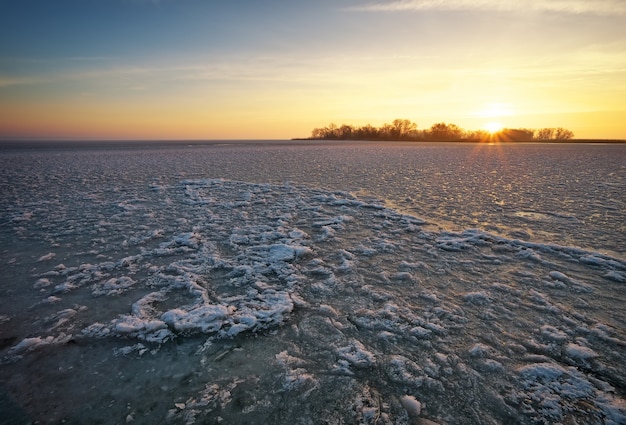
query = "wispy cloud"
{"x": 594, "y": 7}
{"x": 69, "y": 76}
{"x": 9, "y": 81}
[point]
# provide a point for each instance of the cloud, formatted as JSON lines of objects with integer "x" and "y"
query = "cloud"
{"x": 9, "y": 81}
{"x": 69, "y": 76}
{"x": 593, "y": 7}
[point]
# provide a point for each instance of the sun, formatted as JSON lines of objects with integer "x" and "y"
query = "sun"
{"x": 493, "y": 127}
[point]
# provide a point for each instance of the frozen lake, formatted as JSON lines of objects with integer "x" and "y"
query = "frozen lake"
{"x": 313, "y": 283}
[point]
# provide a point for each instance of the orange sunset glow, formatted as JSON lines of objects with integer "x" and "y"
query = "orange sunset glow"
{"x": 195, "y": 70}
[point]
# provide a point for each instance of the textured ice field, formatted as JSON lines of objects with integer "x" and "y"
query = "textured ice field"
{"x": 314, "y": 284}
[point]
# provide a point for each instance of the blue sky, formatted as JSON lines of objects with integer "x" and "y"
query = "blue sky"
{"x": 276, "y": 69}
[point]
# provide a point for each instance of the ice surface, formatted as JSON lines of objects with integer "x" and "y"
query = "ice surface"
{"x": 188, "y": 294}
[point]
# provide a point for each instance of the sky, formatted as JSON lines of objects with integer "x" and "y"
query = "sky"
{"x": 269, "y": 69}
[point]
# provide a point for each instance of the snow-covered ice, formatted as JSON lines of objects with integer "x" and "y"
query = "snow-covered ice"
{"x": 347, "y": 283}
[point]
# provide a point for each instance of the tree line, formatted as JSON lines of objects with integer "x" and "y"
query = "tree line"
{"x": 403, "y": 129}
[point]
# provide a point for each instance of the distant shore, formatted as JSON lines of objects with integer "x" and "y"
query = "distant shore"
{"x": 511, "y": 142}
{"x": 140, "y": 144}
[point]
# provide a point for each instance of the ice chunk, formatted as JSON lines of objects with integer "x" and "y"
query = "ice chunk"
{"x": 479, "y": 298}
{"x": 113, "y": 286}
{"x": 616, "y": 276}
{"x": 357, "y": 355}
{"x": 273, "y": 308}
{"x": 579, "y": 352}
{"x": 552, "y": 388}
{"x": 35, "y": 343}
{"x": 405, "y": 371}
{"x": 572, "y": 283}
{"x": 560, "y": 276}
{"x": 420, "y": 332}
{"x": 479, "y": 350}
{"x": 124, "y": 351}
{"x": 51, "y": 299}
{"x": 61, "y": 317}
{"x": 128, "y": 324}
{"x": 205, "y": 319}
{"x": 283, "y": 252}
{"x": 553, "y": 334}
{"x": 42, "y": 283}
{"x": 411, "y": 405}
{"x": 298, "y": 378}
{"x": 328, "y": 310}
{"x": 47, "y": 257}
{"x": 453, "y": 244}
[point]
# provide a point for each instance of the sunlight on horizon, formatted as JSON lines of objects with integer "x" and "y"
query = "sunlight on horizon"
{"x": 493, "y": 127}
